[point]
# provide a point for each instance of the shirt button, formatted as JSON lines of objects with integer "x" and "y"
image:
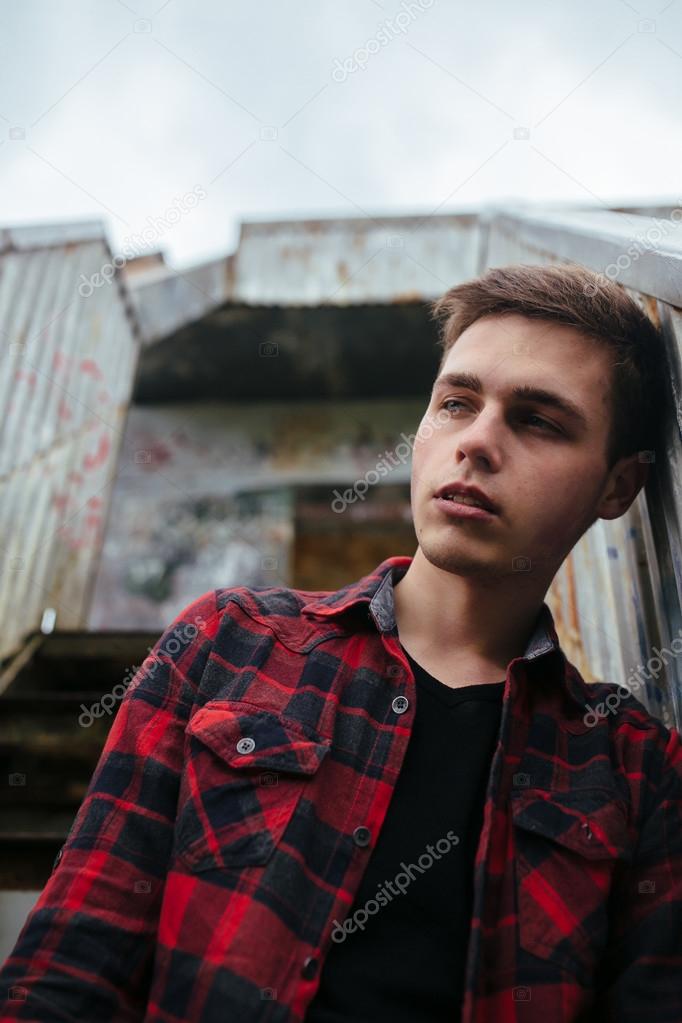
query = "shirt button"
{"x": 246, "y": 745}
{"x": 309, "y": 968}
{"x": 400, "y": 704}
{"x": 362, "y": 835}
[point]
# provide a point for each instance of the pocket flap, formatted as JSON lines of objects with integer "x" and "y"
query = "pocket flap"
{"x": 276, "y": 742}
{"x": 591, "y": 822}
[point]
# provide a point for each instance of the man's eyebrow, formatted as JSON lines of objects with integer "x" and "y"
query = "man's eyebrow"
{"x": 525, "y": 392}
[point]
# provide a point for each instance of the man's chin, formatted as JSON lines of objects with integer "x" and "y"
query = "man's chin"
{"x": 459, "y": 559}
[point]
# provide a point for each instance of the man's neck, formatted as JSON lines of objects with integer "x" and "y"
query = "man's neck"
{"x": 446, "y": 617}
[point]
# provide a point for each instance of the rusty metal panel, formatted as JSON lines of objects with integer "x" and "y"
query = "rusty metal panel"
{"x": 355, "y": 260}
{"x": 167, "y": 300}
{"x": 645, "y": 251}
{"x": 617, "y": 597}
{"x": 605, "y": 604}
{"x": 340, "y": 262}
{"x": 70, "y": 351}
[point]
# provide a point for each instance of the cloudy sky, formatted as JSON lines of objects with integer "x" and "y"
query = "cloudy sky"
{"x": 273, "y": 110}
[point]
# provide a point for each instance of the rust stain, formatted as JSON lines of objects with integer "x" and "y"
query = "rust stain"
{"x": 651, "y": 307}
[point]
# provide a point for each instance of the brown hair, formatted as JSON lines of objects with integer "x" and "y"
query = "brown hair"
{"x": 592, "y": 303}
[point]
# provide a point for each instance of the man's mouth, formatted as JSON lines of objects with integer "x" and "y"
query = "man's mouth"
{"x": 467, "y": 495}
{"x": 464, "y": 499}
{"x": 459, "y": 507}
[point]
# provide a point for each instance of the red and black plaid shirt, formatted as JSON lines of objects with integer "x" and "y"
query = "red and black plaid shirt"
{"x": 243, "y": 786}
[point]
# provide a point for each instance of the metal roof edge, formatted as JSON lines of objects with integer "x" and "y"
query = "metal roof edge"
{"x": 598, "y": 239}
{"x": 49, "y": 234}
{"x": 253, "y": 226}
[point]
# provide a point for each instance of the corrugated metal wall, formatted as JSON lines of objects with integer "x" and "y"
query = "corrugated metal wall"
{"x": 616, "y": 598}
{"x": 69, "y": 355}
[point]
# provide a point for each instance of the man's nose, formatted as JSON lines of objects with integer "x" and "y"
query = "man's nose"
{"x": 480, "y": 439}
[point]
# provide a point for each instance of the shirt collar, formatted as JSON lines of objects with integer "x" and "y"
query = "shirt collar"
{"x": 376, "y": 591}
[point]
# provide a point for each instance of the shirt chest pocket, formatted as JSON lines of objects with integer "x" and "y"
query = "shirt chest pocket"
{"x": 245, "y": 773}
{"x": 567, "y": 847}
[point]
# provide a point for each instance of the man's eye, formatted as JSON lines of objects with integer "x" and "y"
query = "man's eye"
{"x": 544, "y": 424}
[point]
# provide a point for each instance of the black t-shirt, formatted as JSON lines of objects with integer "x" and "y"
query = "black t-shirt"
{"x": 407, "y": 962}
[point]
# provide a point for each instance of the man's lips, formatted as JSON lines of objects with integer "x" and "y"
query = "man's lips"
{"x": 467, "y": 490}
{"x": 454, "y": 509}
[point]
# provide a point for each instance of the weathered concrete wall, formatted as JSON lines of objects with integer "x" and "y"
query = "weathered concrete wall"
{"x": 206, "y": 495}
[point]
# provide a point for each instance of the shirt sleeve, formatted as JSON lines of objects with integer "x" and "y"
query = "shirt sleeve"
{"x": 642, "y": 978}
{"x": 86, "y": 949}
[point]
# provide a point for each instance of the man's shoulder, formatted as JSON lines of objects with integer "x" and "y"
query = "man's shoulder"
{"x": 212, "y": 606}
{"x": 221, "y": 613}
{"x": 277, "y": 607}
{"x": 625, "y": 712}
{"x": 643, "y": 742}
{"x": 268, "y": 601}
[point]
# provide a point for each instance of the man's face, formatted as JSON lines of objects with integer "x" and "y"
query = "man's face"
{"x": 544, "y": 468}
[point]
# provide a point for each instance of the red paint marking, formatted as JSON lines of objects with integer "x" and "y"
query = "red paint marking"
{"x": 64, "y": 412}
{"x": 90, "y": 367}
{"x": 160, "y": 454}
{"x": 92, "y": 461}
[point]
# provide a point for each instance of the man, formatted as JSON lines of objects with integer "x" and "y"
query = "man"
{"x": 390, "y": 802}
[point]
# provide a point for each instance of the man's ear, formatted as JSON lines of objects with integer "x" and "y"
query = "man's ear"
{"x": 624, "y": 482}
